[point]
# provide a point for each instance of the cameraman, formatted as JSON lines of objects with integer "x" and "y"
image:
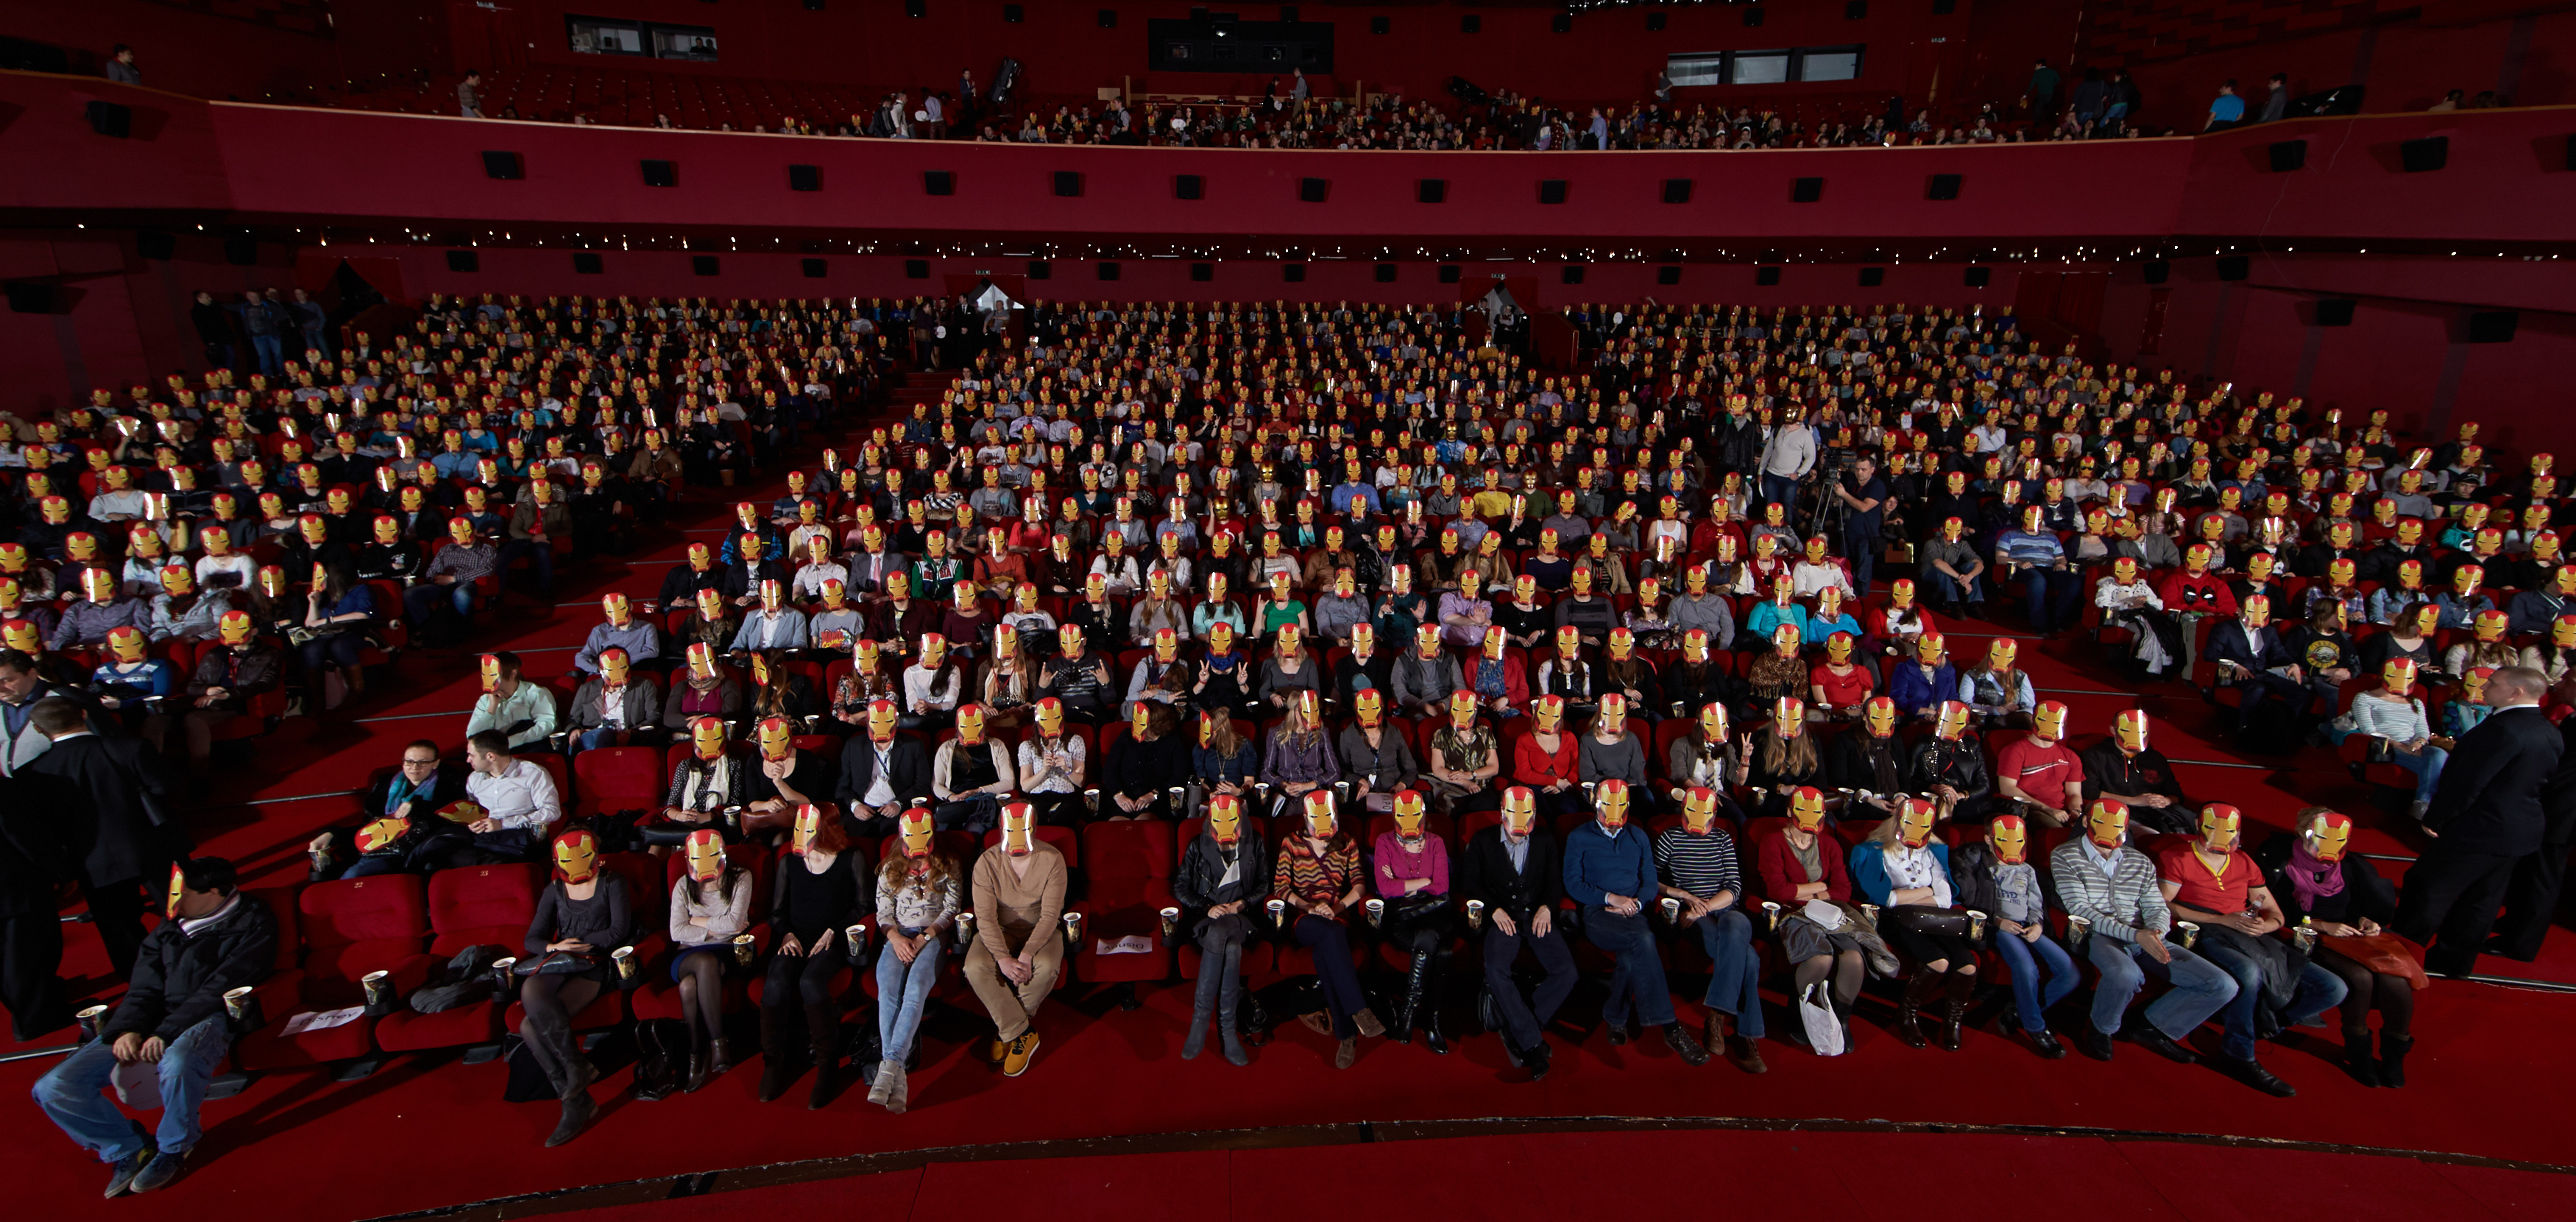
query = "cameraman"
{"x": 1864, "y": 498}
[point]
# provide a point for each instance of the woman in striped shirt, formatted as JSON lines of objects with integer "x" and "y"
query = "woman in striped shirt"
{"x": 1317, "y": 874}
{"x": 1695, "y": 866}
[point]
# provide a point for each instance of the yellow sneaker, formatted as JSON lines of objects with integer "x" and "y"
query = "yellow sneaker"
{"x": 1016, "y": 1061}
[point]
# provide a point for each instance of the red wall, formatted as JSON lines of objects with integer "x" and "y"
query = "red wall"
{"x": 2406, "y": 335}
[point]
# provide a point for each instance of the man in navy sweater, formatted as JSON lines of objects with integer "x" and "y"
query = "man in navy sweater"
{"x": 1610, "y": 874}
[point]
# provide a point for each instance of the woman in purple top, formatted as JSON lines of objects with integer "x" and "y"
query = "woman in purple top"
{"x": 1411, "y": 878}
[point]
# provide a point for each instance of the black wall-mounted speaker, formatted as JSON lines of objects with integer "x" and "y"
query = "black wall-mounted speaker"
{"x": 1188, "y": 186}
{"x": 464, "y": 261}
{"x": 1944, "y": 186}
{"x": 1872, "y": 277}
{"x": 153, "y": 245}
{"x": 1677, "y": 190}
{"x": 706, "y": 265}
{"x": 588, "y": 263}
{"x": 1293, "y": 273}
{"x": 1806, "y": 190}
{"x": 110, "y": 119}
{"x": 1448, "y": 273}
{"x": 1766, "y": 276}
{"x": 2156, "y": 271}
{"x": 1313, "y": 190}
{"x": 2425, "y": 155}
{"x": 241, "y": 252}
{"x": 661, "y": 173}
{"x": 2234, "y": 267}
{"x": 1551, "y": 191}
{"x": 1386, "y": 273}
{"x": 916, "y": 269}
{"x": 504, "y": 164}
{"x": 1106, "y": 271}
{"x": 1572, "y": 274}
{"x": 1978, "y": 277}
{"x": 1202, "y": 273}
{"x": 1431, "y": 190}
{"x": 816, "y": 269}
{"x": 2493, "y": 326}
{"x": 1670, "y": 273}
{"x": 804, "y": 178}
{"x": 1068, "y": 183}
{"x": 2335, "y": 311}
{"x": 2288, "y": 155}
{"x": 938, "y": 182}
{"x": 1040, "y": 269}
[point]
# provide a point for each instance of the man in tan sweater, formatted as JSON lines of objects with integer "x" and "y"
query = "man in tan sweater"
{"x": 1019, "y": 943}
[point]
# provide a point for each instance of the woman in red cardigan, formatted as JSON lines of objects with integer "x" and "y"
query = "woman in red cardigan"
{"x": 1545, "y": 759}
{"x": 1799, "y": 864}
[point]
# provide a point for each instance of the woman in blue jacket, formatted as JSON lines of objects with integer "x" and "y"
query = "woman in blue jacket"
{"x": 1906, "y": 872}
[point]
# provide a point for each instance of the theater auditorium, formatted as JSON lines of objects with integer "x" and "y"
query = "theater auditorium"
{"x": 1908, "y": 607}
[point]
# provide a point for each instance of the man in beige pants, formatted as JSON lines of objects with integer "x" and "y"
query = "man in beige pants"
{"x": 1019, "y": 943}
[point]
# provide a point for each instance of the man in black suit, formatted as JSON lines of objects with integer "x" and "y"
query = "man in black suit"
{"x": 871, "y": 801}
{"x": 33, "y": 859}
{"x": 1512, "y": 868}
{"x": 2252, "y": 658}
{"x": 105, "y": 792}
{"x": 2531, "y": 899}
{"x": 2485, "y": 819}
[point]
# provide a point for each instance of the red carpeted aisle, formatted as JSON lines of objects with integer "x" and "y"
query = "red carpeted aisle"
{"x": 1678, "y": 1174}
{"x": 427, "y": 1132}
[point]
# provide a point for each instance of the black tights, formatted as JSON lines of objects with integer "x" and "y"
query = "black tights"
{"x": 702, "y": 991}
{"x": 551, "y": 1001}
{"x": 2366, "y": 990}
{"x": 1845, "y": 967}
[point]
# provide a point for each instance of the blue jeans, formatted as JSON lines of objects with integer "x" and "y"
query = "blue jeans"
{"x": 2426, "y": 767}
{"x": 1735, "y": 979}
{"x": 1637, "y": 982}
{"x": 541, "y": 561}
{"x": 592, "y": 740}
{"x": 369, "y": 867}
{"x": 73, "y": 1094}
{"x": 1939, "y": 588}
{"x": 420, "y": 598}
{"x": 2025, "y": 960}
{"x": 2052, "y": 594}
{"x": 902, "y": 990}
{"x": 1782, "y": 489}
{"x": 2199, "y": 986}
{"x": 2319, "y": 991}
{"x": 272, "y": 355}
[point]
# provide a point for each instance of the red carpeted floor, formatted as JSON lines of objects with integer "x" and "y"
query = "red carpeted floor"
{"x": 428, "y": 1132}
{"x": 1674, "y": 1174}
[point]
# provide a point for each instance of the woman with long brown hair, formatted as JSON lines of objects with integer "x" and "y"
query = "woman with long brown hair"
{"x": 710, "y": 904}
{"x": 1784, "y": 755}
{"x": 919, "y": 889}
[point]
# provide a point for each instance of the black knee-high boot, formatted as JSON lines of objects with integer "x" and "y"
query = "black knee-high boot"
{"x": 777, "y": 1068}
{"x": 1229, "y": 996}
{"x": 1918, "y": 989}
{"x": 1959, "y": 988}
{"x": 823, "y": 1027}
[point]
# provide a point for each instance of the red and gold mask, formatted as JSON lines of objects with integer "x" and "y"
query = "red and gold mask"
{"x": 707, "y": 737}
{"x": 1019, "y": 829}
{"x": 704, "y": 851}
{"x": 2220, "y": 827}
{"x": 2048, "y": 721}
{"x": 1789, "y": 717}
{"x": 1914, "y": 822}
{"x": 1807, "y": 808}
{"x": 1952, "y": 720}
{"x": 2106, "y": 823}
{"x": 576, "y": 855}
{"x": 918, "y": 834}
{"x": 1320, "y": 823}
{"x": 2329, "y": 836}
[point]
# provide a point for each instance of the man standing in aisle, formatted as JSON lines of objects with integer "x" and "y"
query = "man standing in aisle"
{"x": 2486, "y": 817}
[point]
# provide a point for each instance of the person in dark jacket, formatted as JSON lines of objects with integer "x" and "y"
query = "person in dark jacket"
{"x": 1143, "y": 766}
{"x": 2485, "y": 818}
{"x": 871, "y": 803}
{"x": 172, "y": 1020}
{"x": 2252, "y": 658}
{"x": 2531, "y": 899}
{"x": 1224, "y": 875}
{"x": 110, "y": 794}
{"x": 2323, "y": 886}
{"x": 34, "y": 860}
{"x": 411, "y": 794}
{"x": 1512, "y": 869}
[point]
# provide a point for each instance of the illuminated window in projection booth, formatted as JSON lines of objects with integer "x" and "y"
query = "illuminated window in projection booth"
{"x": 1764, "y": 67}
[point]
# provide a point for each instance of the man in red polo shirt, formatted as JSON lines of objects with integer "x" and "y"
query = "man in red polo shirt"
{"x": 2039, "y": 772}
